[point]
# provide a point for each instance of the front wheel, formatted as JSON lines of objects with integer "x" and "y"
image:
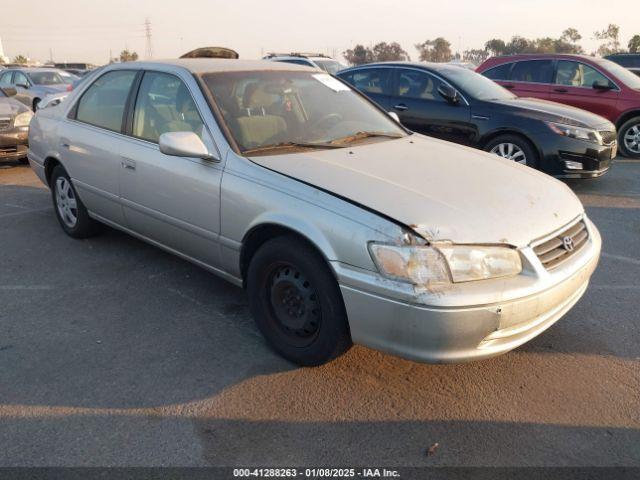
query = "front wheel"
{"x": 296, "y": 303}
{"x": 514, "y": 148}
{"x": 70, "y": 211}
{"x": 629, "y": 138}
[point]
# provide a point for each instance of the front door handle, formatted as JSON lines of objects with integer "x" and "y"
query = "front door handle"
{"x": 128, "y": 163}
{"x": 560, "y": 90}
{"x": 401, "y": 107}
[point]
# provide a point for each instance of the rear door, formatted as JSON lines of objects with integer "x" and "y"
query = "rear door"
{"x": 422, "y": 109}
{"x": 91, "y": 140}
{"x": 531, "y": 78}
{"x": 22, "y": 85}
{"x": 573, "y": 85}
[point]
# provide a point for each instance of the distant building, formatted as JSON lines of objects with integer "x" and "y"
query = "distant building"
{"x": 3, "y": 57}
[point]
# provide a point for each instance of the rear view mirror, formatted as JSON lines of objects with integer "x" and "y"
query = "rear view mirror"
{"x": 9, "y": 91}
{"x": 449, "y": 93}
{"x": 602, "y": 86}
{"x": 184, "y": 144}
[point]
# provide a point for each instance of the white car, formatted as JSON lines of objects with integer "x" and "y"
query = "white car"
{"x": 316, "y": 60}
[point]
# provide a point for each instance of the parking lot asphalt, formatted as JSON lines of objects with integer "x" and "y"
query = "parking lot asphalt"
{"x": 115, "y": 353}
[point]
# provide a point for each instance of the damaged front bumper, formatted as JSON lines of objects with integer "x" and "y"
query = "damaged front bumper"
{"x": 469, "y": 321}
{"x": 13, "y": 143}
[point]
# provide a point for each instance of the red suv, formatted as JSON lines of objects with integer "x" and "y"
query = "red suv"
{"x": 591, "y": 83}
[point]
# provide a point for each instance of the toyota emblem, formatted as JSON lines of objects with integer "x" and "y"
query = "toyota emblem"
{"x": 567, "y": 243}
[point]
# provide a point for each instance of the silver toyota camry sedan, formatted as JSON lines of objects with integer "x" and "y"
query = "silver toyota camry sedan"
{"x": 342, "y": 226}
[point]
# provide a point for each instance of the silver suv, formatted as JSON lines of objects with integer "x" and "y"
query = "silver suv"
{"x": 316, "y": 60}
{"x": 342, "y": 226}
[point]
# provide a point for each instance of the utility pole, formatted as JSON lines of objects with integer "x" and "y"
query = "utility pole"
{"x": 147, "y": 31}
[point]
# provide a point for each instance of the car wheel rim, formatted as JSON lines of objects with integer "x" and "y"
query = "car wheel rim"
{"x": 632, "y": 139}
{"x": 66, "y": 202}
{"x": 510, "y": 151}
{"x": 295, "y": 305}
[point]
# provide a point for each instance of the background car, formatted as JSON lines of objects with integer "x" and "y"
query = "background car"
{"x": 594, "y": 84}
{"x": 33, "y": 84}
{"x": 462, "y": 106}
{"x": 627, "y": 60}
{"x": 316, "y": 60}
{"x": 14, "y": 126}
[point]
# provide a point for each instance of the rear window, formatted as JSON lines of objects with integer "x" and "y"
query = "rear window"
{"x": 533, "y": 71}
{"x": 501, "y": 72}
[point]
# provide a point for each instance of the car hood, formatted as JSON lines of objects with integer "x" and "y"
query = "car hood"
{"x": 555, "y": 112}
{"x": 9, "y": 107}
{"x": 441, "y": 190}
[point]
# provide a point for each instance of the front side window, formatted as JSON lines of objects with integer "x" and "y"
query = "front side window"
{"x": 20, "y": 78}
{"x": 501, "y": 72}
{"x": 418, "y": 85}
{"x": 533, "y": 71}
{"x": 164, "y": 104}
{"x": 576, "y": 74}
{"x": 104, "y": 101}
{"x": 288, "y": 111}
{"x": 373, "y": 80}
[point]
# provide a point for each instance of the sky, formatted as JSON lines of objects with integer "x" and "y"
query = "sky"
{"x": 88, "y": 30}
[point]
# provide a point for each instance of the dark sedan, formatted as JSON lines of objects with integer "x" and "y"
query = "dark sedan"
{"x": 14, "y": 126}
{"x": 459, "y": 105}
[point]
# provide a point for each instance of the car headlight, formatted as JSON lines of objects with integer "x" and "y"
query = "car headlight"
{"x": 23, "y": 119}
{"x": 444, "y": 263}
{"x": 580, "y": 133}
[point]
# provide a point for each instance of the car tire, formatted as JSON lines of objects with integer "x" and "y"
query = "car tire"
{"x": 24, "y": 160}
{"x": 519, "y": 144}
{"x": 35, "y": 103}
{"x": 296, "y": 303}
{"x": 69, "y": 209}
{"x": 629, "y": 138}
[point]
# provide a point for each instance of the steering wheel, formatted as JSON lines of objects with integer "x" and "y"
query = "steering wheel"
{"x": 330, "y": 119}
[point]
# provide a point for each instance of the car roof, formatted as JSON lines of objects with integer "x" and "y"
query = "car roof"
{"x": 213, "y": 65}
{"x": 420, "y": 65}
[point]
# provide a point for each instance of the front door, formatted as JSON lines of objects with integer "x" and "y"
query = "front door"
{"x": 574, "y": 85}
{"x": 422, "y": 109}
{"x": 174, "y": 201}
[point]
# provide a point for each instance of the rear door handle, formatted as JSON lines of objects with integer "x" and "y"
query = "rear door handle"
{"x": 128, "y": 163}
{"x": 401, "y": 107}
{"x": 560, "y": 90}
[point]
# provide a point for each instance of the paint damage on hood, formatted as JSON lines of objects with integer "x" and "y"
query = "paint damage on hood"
{"x": 443, "y": 191}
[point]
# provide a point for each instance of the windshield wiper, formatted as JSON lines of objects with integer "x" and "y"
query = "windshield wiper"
{"x": 277, "y": 146}
{"x": 362, "y": 135}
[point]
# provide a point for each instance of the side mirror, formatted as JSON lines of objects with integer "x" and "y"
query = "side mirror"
{"x": 9, "y": 91}
{"x": 395, "y": 116}
{"x": 602, "y": 86}
{"x": 449, "y": 93}
{"x": 22, "y": 85}
{"x": 184, "y": 144}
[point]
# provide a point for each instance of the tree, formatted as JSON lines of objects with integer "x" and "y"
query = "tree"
{"x": 634, "y": 44}
{"x": 611, "y": 36}
{"x": 519, "y": 44}
{"x": 438, "y": 50}
{"x": 495, "y": 47}
{"x": 127, "y": 56}
{"x": 21, "y": 59}
{"x": 389, "y": 52}
{"x": 476, "y": 56}
{"x": 571, "y": 35}
{"x": 359, "y": 55}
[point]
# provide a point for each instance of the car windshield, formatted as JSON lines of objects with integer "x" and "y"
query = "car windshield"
{"x": 270, "y": 112}
{"x": 475, "y": 85}
{"x": 330, "y": 66}
{"x": 629, "y": 78}
{"x": 46, "y": 78}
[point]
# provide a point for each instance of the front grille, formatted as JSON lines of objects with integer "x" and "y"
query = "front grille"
{"x": 563, "y": 246}
{"x": 608, "y": 137}
{"x": 5, "y": 123}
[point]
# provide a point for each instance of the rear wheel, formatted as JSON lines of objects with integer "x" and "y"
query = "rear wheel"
{"x": 514, "y": 148}
{"x": 70, "y": 211}
{"x": 629, "y": 138}
{"x": 296, "y": 302}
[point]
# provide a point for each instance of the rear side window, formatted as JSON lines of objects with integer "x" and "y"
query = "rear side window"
{"x": 104, "y": 101}
{"x": 164, "y": 105}
{"x": 373, "y": 80}
{"x": 501, "y": 72}
{"x": 533, "y": 71}
{"x": 5, "y": 79}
